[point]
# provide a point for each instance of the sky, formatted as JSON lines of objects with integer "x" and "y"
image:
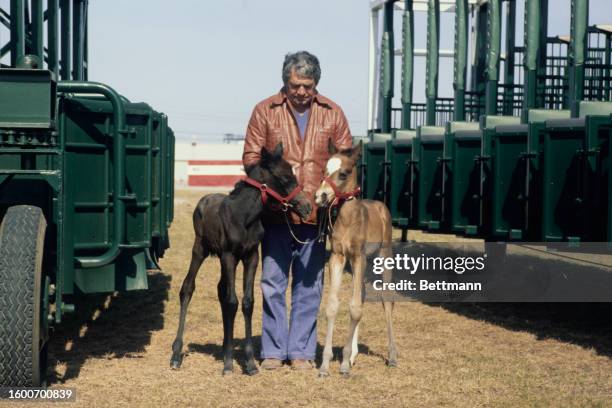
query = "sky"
{"x": 207, "y": 63}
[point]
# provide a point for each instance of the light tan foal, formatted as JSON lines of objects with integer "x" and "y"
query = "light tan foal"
{"x": 358, "y": 222}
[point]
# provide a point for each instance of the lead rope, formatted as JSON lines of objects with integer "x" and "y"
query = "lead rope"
{"x": 320, "y": 236}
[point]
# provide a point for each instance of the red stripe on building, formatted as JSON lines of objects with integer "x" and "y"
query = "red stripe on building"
{"x": 213, "y": 162}
{"x": 214, "y": 181}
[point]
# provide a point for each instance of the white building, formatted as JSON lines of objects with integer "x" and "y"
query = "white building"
{"x": 207, "y": 165}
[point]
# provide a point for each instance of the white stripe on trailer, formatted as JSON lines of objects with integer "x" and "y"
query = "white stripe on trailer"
{"x": 216, "y": 169}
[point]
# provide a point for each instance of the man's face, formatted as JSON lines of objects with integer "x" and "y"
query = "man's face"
{"x": 300, "y": 90}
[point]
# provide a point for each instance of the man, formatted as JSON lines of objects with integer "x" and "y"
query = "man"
{"x": 304, "y": 121}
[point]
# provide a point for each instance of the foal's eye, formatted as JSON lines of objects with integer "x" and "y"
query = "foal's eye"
{"x": 342, "y": 176}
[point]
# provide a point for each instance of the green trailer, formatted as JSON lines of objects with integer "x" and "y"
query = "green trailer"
{"x": 86, "y": 187}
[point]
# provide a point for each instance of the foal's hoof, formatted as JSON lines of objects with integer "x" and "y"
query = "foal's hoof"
{"x": 323, "y": 374}
{"x": 175, "y": 364}
{"x": 228, "y": 371}
{"x": 252, "y": 371}
{"x": 345, "y": 372}
{"x": 392, "y": 363}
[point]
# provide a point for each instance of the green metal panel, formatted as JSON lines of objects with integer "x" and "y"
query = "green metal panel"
{"x": 508, "y": 212}
{"x": 460, "y": 175}
{"x": 509, "y": 174}
{"x": 399, "y": 153}
{"x": 27, "y": 99}
{"x": 128, "y": 272}
{"x": 572, "y": 160}
{"x": 376, "y": 167}
{"x": 86, "y": 127}
{"x": 429, "y": 176}
{"x": 563, "y": 198}
{"x": 488, "y": 124}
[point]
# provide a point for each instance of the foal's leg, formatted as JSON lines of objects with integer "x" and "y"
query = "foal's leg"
{"x": 388, "y": 306}
{"x": 250, "y": 267}
{"x": 355, "y": 348}
{"x": 355, "y": 308}
{"x": 336, "y": 267}
{"x": 229, "y": 305}
{"x": 198, "y": 254}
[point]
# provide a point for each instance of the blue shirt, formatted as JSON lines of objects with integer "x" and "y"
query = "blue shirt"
{"x": 302, "y": 121}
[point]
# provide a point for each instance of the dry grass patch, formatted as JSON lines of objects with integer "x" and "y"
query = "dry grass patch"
{"x": 450, "y": 355}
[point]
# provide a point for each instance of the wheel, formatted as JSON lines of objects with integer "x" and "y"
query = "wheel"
{"x": 23, "y": 332}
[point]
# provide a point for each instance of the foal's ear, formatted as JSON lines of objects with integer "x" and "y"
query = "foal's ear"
{"x": 271, "y": 157}
{"x": 356, "y": 151}
{"x": 278, "y": 151}
{"x": 266, "y": 157}
{"x": 331, "y": 148}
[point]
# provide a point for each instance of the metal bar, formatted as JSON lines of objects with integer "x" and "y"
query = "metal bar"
{"x": 85, "y": 40}
{"x": 533, "y": 42}
{"x": 77, "y": 40}
{"x": 422, "y": 52}
{"x": 373, "y": 70}
{"x": 510, "y": 54}
{"x": 493, "y": 54}
{"x": 52, "y": 36}
{"x": 578, "y": 51}
{"x": 433, "y": 48}
{"x": 421, "y": 5}
{"x": 65, "y": 65}
{"x": 5, "y": 18}
{"x": 18, "y": 33}
{"x": 119, "y": 196}
{"x": 37, "y": 30}
{"x": 461, "y": 50}
{"x": 387, "y": 69}
{"x": 540, "y": 84}
{"x": 407, "y": 63}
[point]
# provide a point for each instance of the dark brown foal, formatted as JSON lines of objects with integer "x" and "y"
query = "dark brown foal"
{"x": 230, "y": 228}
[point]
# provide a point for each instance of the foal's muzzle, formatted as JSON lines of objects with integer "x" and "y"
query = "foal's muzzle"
{"x": 302, "y": 206}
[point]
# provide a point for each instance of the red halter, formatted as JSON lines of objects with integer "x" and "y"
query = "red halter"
{"x": 263, "y": 188}
{"x": 342, "y": 196}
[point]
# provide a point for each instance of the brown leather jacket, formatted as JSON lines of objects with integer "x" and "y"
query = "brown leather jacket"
{"x": 272, "y": 122}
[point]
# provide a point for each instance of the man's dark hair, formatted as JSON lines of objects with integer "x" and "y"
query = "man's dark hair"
{"x": 305, "y": 65}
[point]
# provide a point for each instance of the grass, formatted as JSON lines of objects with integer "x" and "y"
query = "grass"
{"x": 116, "y": 351}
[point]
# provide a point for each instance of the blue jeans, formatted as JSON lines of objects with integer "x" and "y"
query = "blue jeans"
{"x": 298, "y": 339}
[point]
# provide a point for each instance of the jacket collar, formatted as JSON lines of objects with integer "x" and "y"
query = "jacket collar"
{"x": 280, "y": 98}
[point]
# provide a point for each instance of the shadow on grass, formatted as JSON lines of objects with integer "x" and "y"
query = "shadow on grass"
{"x": 108, "y": 326}
{"x": 216, "y": 350}
{"x": 588, "y": 325}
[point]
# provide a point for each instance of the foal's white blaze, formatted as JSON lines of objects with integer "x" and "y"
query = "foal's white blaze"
{"x": 333, "y": 165}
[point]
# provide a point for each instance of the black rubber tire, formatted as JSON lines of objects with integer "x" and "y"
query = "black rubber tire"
{"x": 22, "y": 340}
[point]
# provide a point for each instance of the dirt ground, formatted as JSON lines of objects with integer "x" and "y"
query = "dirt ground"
{"x": 116, "y": 351}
